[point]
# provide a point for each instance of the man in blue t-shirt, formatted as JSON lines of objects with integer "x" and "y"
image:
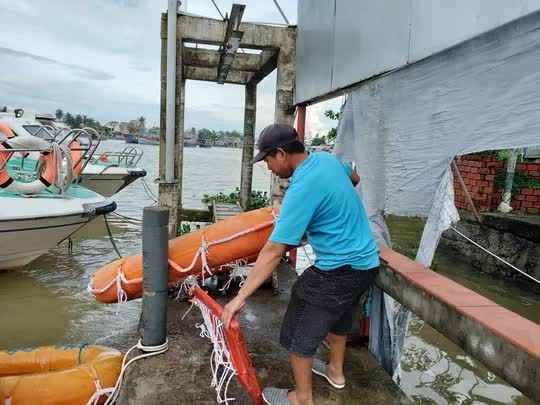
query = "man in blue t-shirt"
{"x": 321, "y": 203}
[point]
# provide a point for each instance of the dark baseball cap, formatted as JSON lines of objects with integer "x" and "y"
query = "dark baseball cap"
{"x": 272, "y": 137}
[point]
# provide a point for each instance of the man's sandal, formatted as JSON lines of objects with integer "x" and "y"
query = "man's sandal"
{"x": 276, "y": 396}
{"x": 319, "y": 368}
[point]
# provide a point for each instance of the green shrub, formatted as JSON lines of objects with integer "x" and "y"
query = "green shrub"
{"x": 521, "y": 180}
{"x": 259, "y": 198}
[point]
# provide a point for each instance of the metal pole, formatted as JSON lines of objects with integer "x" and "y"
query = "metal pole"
{"x": 155, "y": 275}
{"x": 171, "y": 90}
{"x": 246, "y": 175}
{"x": 465, "y": 191}
{"x": 282, "y": 13}
{"x": 504, "y": 206}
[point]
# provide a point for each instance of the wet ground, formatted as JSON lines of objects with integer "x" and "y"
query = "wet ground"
{"x": 183, "y": 374}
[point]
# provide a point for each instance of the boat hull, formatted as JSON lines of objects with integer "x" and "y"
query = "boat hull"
{"x": 24, "y": 239}
{"x": 109, "y": 183}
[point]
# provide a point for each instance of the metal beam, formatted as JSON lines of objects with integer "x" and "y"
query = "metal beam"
{"x": 230, "y": 45}
{"x": 210, "y": 58}
{"x": 209, "y": 75}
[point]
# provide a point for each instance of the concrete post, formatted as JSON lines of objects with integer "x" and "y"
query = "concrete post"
{"x": 169, "y": 191}
{"x": 284, "y": 104}
{"x": 155, "y": 275}
{"x": 246, "y": 177}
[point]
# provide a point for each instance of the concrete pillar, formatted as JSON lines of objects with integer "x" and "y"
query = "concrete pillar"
{"x": 284, "y": 105}
{"x": 170, "y": 192}
{"x": 246, "y": 177}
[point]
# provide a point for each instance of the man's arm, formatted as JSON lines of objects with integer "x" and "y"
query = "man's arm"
{"x": 266, "y": 263}
{"x": 355, "y": 178}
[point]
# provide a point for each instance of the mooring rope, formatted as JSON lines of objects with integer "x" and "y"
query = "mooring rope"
{"x": 495, "y": 256}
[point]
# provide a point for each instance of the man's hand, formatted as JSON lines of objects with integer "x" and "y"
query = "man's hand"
{"x": 232, "y": 309}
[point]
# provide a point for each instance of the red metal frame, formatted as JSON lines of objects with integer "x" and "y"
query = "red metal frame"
{"x": 237, "y": 348}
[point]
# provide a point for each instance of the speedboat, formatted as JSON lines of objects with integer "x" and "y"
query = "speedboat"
{"x": 29, "y": 227}
{"x": 40, "y": 208}
{"x": 106, "y": 175}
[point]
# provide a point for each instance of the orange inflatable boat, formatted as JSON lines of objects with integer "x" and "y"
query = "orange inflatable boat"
{"x": 199, "y": 253}
{"x": 72, "y": 374}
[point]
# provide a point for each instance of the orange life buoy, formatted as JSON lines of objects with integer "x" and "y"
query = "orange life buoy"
{"x": 57, "y": 374}
{"x": 77, "y": 156}
{"x": 238, "y": 237}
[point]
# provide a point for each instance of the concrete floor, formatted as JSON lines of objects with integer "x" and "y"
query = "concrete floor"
{"x": 182, "y": 375}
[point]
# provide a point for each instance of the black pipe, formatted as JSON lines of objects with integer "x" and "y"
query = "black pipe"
{"x": 155, "y": 275}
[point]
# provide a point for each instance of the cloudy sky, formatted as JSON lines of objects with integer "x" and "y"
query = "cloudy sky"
{"x": 101, "y": 58}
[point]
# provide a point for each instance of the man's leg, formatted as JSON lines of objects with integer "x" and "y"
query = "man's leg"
{"x": 301, "y": 367}
{"x": 337, "y": 357}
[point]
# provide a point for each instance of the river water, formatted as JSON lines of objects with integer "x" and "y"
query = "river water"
{"x": 47, "y": 302}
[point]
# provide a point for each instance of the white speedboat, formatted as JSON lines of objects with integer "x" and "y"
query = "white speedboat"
{"x": 30, "y": 226}
{"x": 106, "y": 175}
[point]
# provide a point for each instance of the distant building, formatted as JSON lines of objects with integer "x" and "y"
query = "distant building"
{"x": 191, "y": 137}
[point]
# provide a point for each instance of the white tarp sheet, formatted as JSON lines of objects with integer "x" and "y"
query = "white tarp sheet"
{"x": 403, "y": 129}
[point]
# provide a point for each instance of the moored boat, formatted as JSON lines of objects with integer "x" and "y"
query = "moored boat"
{"x": 131, "y": 138}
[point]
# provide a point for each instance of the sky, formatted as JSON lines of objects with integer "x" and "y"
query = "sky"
{"x": 101, "y": 58}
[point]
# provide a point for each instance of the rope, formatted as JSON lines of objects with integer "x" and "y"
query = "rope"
{"x": 126, "y": 217}
{"x": 495, "y": 256}
{"x": 150, "y": 351}
{"x": 218, "y": 10}
{"x": 111, "y": 237}
{"x": 148, "y": 191}
{"x": 223, "y": 369}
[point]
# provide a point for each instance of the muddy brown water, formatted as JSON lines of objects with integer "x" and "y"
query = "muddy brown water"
{"x": 47, "y": 302}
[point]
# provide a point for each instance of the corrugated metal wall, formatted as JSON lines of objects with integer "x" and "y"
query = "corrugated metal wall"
{"x": 342, "y": 42}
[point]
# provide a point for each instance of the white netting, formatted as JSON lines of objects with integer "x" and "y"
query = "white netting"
{"x": 221, "y": 364}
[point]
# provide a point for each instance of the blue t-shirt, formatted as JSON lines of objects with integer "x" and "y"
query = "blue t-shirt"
{"x": 322, "y": 203}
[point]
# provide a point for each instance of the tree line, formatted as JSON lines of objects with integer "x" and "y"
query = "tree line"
{"x": 82, "y": 121}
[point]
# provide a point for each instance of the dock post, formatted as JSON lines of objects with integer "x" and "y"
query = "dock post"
{"x": 155, "y": 275}
{"x": 246, "y": 177}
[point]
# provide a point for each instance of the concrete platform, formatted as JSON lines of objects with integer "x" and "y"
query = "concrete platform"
{"x": 182, "y": 375}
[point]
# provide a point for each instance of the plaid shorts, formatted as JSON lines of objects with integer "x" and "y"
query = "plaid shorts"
{"x": 322, "y": 302}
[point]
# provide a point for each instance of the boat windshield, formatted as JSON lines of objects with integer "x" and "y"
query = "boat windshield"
{"x": 34, "y": 130}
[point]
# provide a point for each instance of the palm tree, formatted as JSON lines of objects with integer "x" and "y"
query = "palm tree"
{"x": 68, "y": 119}
{"x": 78, "y": 121}
{"x": 141, "y": 122}
{"x": 132, "y": 128}
{"x": 59, "y": 114}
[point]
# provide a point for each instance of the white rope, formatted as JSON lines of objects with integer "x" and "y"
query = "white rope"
{"x": 495, "y": 256}
{"x": 94, "y": 399}
{"x": 240, "y": 270}
{"x": 150, "y": 351}
{"x": 220, "y": 360}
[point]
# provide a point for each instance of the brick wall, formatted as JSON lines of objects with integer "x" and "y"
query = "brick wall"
{"x": 479, "y": 173}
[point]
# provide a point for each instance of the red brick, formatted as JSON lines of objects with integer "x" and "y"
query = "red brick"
{"x": 527, "y": 204}
{"x": 484, "y": 171}
{"x": 474, "y": 170}
{"x": 532, "y": 198}
{"x": 534, "y": 173}
{"x": 536, "y": 192}
{"x": 532, "y": 210}
{"x": 482, "y": 183}
{"x": 477, "y": 176}
{"x": 521, "y": 166}
{"x": 490, "y": 177}
{"x": 515, "y": 204}
{"x": 520, "y": 197}
{"x": 533, "y": 167}
{"x": 527, "y": 191}
{"x": 489, "y": 190}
